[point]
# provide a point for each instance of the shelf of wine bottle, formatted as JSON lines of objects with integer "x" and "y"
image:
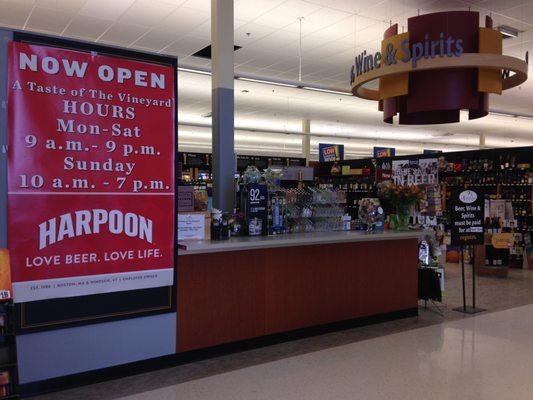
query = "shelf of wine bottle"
{"x": 496, "y": 257}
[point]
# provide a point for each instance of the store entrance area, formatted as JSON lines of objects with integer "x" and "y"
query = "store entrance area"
{"x": 266, "y": 199}
{"x": 441, "y": 351}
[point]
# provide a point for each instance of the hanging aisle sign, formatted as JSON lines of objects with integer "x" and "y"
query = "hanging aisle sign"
{"x": 444, "y": 63}
{"x": 330, "y": 152}
{"x": 90, "y": 173}
{"x": 380, "y": 152}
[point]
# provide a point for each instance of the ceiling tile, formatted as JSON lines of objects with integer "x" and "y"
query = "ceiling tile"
{"x": 201, "y": 5}
{"x": 72, "y": 6}
{"x": 14, "y": 13}
{"x": 186, "y": 46}
{"x": 502, "y": 6}
{"x": 49, "y": 20}
{"x": 521, "y": 12}
{"x": 106, "y": 9}
{"x": 123, "y": 34}
{"x": 247, "y": 10}
{"x": 147, "y": 12}
{"x": 155, "y": 40}
{"x": 287, "y": 13}
{"x": 183, "y": 20}
{"x": 88, "y": 28}
{"x": 256, "y": 32}
{"x": 202, "y": 31}
{"x": 176, "y": 3}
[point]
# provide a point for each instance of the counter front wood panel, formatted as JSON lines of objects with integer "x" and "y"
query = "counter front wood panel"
{"x": 237, "y": 295}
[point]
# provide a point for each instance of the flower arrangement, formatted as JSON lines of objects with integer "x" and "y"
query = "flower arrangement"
{"x": 401, "y": 196}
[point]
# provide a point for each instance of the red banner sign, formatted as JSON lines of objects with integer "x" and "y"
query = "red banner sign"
{"x": 90, "y": 173}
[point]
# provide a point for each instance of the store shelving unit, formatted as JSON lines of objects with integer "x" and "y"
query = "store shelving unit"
{"x": 8, "y": 353}
{"x": 501, "y": 182}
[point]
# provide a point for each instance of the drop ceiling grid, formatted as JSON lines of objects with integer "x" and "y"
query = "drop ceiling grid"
{"x": 333, "y": 32}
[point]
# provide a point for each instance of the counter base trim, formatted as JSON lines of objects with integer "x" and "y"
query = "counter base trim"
{"x": 153, "y": 364}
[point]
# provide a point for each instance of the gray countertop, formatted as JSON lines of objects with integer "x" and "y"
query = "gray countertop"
{"x": 294, "y": 239}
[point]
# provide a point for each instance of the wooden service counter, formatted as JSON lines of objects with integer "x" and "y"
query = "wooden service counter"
{"x": 246, "y": 288}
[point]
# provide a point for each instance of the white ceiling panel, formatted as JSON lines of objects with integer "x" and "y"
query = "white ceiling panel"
{"x": 186, "y": 46}
{"x": 499, "y": 5}
{"x": 147, "y": 12}
{"x": 202, "y": 31}
{"x": 106, "y": 9}
{"x": 251, "y": 32}
{"x": 123, "y": 34}
{"x": 247, "y": 10}
{"x": 71, "y": 6}
{"x": 13, "y": 13}
{"x": 333, "y": 32}
{"x": 174, "y": 2}
{"x": 48, "y": 20}
{"x": 184, "y": 19}
{"x": 88, "y": 28}
{"x": 156, "y": 40}
{"x": 201, "y": 5}
{"x": 287, "y": 13}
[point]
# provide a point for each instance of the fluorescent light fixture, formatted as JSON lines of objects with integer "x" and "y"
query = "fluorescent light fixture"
{"x": 500, "y": 114}
{"x": 194, "y": 71}
{"x": 508, "y": 31}
{"x": 515, "y": 116}
{"x": 270, "y": 82}
{"x": 241, "y": 78}
{"x": 327, "y": 91}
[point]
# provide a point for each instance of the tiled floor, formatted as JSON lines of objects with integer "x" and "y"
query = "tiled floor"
{"x": 487, "y": 356}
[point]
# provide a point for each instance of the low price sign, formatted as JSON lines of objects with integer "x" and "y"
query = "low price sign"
{"x": 467, "y": 217}
{"x": 90, "y": 172}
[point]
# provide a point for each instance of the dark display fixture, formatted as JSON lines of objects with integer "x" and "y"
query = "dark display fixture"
{"x": 502, "y": 174}
{"x": 8, "y": 352}
{"x": 203, "y": 162}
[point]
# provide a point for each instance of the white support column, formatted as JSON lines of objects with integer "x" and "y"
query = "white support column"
{"x": 482, "y": 139}
{"x": 223, "y": 141}
{"x": 306, "y": 140}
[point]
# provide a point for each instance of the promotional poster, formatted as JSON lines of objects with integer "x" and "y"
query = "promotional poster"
{"x": 90, "y": 173}
{"x": 416, "y": 172}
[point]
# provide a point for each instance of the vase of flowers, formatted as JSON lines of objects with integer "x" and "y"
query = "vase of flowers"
{"x": 402, "y": 198}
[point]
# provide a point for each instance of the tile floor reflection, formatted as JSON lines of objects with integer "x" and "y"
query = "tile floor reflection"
{"x": 485, "y": 357}
{"x": 493, "y": 294}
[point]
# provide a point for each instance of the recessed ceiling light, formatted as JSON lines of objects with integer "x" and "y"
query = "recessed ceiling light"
{"x": 194, "y": 71}
{"x": 442, "y": 134}
{"x": 316, "y": 89}
{"x": 242, "y": 78}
